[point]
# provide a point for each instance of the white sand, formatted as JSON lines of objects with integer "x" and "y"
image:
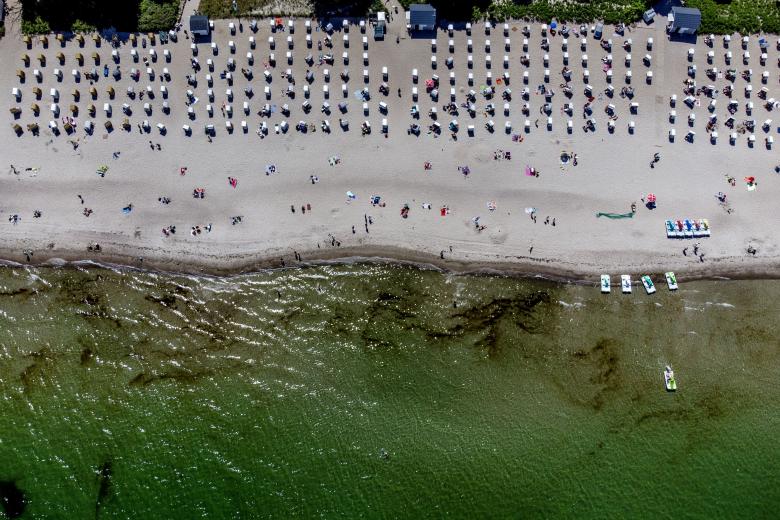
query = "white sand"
{"x": 613, "y": 169}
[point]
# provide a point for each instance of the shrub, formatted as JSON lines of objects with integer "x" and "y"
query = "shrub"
{"x": 82, "y": 27}
{"x": 37, "y": 26}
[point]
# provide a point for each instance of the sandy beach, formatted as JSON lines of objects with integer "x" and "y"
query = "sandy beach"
{"x": 57, "y": 174}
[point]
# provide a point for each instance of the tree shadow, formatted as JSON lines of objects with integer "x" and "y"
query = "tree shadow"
{"x": 122, "y": 15}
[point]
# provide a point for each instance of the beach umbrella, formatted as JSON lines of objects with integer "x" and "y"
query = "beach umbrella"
{"x": 651, "y": 198}
{"x": 80, "y": 58}
{"x": 35, "y": 108}
{"x": 26, "y": 60}
{"x": 61, "y": 57}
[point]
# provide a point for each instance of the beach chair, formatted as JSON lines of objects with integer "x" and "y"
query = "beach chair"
{"x": 671, "y": 229}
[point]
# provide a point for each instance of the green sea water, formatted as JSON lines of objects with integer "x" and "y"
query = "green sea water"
{"x": 371, "y": 391}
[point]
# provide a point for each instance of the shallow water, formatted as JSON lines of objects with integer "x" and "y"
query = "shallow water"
{"x": 377, "y": 391}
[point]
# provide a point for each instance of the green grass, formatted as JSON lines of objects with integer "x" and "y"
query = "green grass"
{"x": 223, "y": 8}
{"x": 743, "y": 16}
{"x": 608, "y": 11}
{"x": 718, "y": 16}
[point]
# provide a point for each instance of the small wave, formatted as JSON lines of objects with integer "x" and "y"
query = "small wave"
{"x": 721, "y": 304}
{"x": 568, "y": 305}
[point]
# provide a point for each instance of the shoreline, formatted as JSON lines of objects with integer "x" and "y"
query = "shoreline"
{"x": 723, "y": 269}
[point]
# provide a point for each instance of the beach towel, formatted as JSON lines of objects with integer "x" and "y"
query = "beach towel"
{"x": 615, "y": 215}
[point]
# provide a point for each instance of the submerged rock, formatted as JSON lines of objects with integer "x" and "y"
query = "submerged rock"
{"x": 12, "y": 498}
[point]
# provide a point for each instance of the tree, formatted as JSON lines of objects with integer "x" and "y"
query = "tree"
{"x": 157, "y": 16}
